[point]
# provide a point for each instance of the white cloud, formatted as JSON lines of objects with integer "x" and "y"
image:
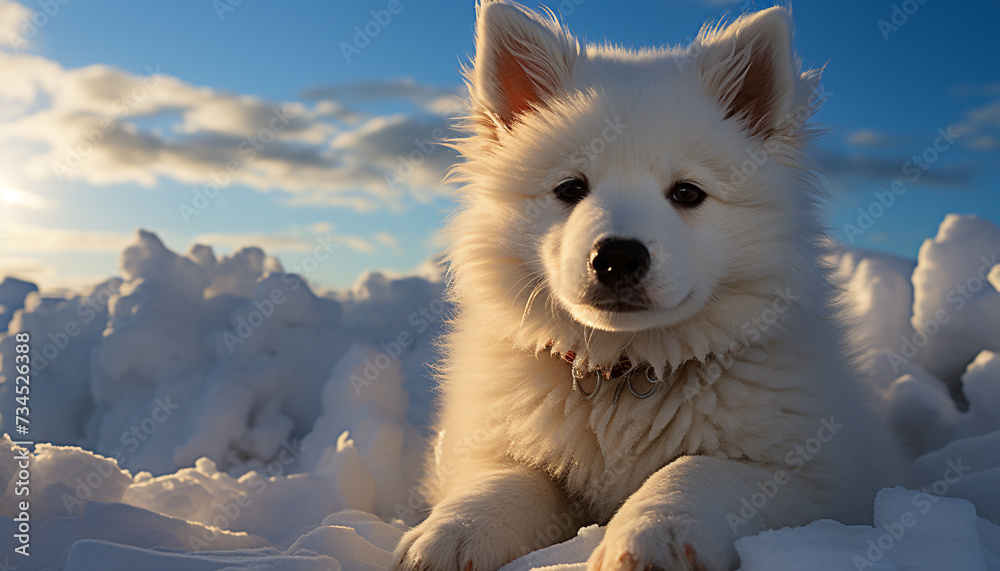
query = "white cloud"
{"x": 388, "y": 240}
{"x": 979, "y": 130}
{"x": 886, "y": 169}
{"x": 27, "y": 268}
{"x": 27, "y": 238}
{"x": 986, "y": 116}
{"x": 869, "y": 138}
{"x": 12, "y": 16}
{"x": 428, "y": 97}
{"x": 85, "y": 121}
{"x": 436, "y": 241}
{"x": 13, "y": 197}
{"x": 267, "y": 242}
{"x": 397, "y": 154}
{"x": 26, "y": 79}
{"x": 356, "y": 243}
{"x": 981, "y": 127}
{"x": 990, "y": 89}
{"x": 983, "y": 143}
{"x": 321, "y": 228}
{"x": 289, "y": 241}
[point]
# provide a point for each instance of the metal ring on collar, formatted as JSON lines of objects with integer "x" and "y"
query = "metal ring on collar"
{"x": 651, "y": 375}
{"x": 636, "y": 393}
{"x": 579, "y": 387}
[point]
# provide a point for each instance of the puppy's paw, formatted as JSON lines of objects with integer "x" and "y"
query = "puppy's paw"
{"x": 658, "y": 544}
{"x": 451, "y": 543}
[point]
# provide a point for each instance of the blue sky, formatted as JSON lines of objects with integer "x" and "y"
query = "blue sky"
{"x": 221, "y": 79}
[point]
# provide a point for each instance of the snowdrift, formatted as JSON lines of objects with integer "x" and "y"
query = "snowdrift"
{"x": 206, "y": 413}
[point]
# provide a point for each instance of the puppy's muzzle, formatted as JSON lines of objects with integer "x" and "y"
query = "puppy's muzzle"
{"x": 619, "y": 266}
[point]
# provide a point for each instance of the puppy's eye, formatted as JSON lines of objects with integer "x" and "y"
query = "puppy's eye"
{"x": 572, "y": 191}
{"x": 687, "y": 195}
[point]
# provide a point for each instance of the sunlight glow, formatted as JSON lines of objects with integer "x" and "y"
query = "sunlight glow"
{"x": 19, "y": 198}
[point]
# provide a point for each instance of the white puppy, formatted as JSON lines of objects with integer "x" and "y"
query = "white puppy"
{"x": 646, "y": 336}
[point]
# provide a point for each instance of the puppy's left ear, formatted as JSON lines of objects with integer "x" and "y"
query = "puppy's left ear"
{"x": 749, "y": 67}
{"x": 522, "y": 60}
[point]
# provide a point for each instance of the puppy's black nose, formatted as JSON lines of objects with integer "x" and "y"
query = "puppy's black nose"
{"x": 618, "y": 261}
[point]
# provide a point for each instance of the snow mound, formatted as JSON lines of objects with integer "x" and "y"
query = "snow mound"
{"x": 912, "y": 530}
{"x": 206, "y": 413}
{"x": 188, "y": 357}
{"x": 12, "y": 294}
{"x": 956, "y": 304}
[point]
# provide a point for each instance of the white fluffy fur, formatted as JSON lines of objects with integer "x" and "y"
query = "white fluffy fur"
{"x": 522, "y": 460}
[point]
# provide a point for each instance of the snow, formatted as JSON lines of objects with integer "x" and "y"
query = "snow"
{"x": 205, "y": 413}
{"x": 12, "y": 294}
{"x": 957, "y": 304}
{"x": 912, "y": 530}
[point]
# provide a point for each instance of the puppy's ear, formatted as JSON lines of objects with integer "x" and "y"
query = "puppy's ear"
{"x": 749, "y": 67}
{"x": 521, "y": 60}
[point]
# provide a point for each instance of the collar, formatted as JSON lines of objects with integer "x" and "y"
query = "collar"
{"x": 623, "y": 371}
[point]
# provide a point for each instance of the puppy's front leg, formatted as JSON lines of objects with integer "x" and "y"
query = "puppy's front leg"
{"x": 687, "y": 515}
{"x": 495, "y": 518}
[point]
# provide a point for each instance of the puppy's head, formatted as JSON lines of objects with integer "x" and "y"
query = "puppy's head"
{"x": 630, "y": 192}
